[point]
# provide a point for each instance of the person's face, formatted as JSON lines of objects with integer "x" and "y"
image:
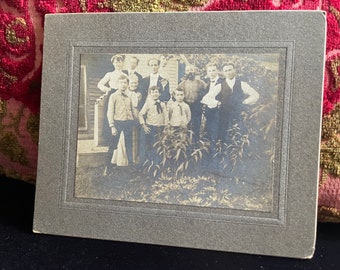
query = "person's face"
{"x": 179, "y": 96}
{"x": 133, "y": 84}
{"x": 229, "y": 72}
{"x": 154, "y": 94}
{"x": 122, "y": 85}
{"x": 118, "y": 63}
{"x": 212, "y": 72}
{"x": 154, "y": 66}
{"x": 133, "y": 63}
{"x": 189, "y": 69}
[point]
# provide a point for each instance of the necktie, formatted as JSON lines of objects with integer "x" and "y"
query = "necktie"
{"x": 180, "y": 108}
{"x": 124, "y": 95}
{"x": 159, "y": 107}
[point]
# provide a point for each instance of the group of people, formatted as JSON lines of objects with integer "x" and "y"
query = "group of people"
{"x": 141, "y": 107}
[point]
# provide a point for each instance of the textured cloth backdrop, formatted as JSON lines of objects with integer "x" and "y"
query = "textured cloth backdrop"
{"x": 21, "y": 35}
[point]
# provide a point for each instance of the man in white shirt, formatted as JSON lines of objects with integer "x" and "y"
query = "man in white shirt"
{"x": 211, "y": 102}
{"x": 235, "y": 100}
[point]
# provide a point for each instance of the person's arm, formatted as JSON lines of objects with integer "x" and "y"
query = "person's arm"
{"x": 165, "y": 113}
{"x": 134, "y": 99}
{"x": 188, "y": 114}
{"x": 165, "y": 96}
{"x": 253, "y": 95}
{"x": 135, "y": 112}
{"x": 169, "y": 111}
{"x": 110, "y": 116}
{"x": 101, "y": 84}
{"x": 142, "y": 113}
{"x": 202, "y": 90}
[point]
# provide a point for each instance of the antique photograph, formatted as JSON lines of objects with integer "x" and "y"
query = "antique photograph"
{"x": 197, "y": 139}
{"x": 188, "y": 129}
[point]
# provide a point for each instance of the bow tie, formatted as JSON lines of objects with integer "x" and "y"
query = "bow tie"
{"x": 124, "y": 95}
{"x": 212, "y": 82}
{"x": 159, "y": 107}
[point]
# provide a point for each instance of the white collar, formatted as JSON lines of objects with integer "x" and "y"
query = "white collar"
{"x": 154, "y": 75}
{"x": 179, "y": 103}
{"x": 231, "y": 82}
{"x": 215, "y": 80}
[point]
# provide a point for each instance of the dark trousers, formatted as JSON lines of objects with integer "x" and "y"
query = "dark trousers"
{"x": 142, "y": 147}
{"x": 150, "y": 139}
{"x": 126, "y": 127}
{"x": 230, "y": 122}
{"x": 196, "y": 119}
{"x": 212, "y": 117}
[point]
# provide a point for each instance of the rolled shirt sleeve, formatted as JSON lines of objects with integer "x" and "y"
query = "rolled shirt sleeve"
{"x": 253, "y": 95}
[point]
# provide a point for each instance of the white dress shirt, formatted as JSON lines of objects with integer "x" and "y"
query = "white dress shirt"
{"x": 210, "y": 98}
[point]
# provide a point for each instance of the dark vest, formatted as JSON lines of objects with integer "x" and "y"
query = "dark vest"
{"x": 232, "y": 105}
{"x": 234, "y": 101}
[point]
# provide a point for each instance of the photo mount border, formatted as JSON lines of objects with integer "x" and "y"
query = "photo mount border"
{"x": 283, "y": 196}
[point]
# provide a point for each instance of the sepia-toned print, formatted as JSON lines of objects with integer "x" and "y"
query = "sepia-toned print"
{"x": 185, "y": 129}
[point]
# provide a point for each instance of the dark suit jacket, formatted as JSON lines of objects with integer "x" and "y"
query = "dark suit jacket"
{"x": 140, "y": 77}
{"x": 165, "y": 93}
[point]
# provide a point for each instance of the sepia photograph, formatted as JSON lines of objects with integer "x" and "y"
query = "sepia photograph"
{"x": 187, "y": 129}
{"x": 197, "y": 139}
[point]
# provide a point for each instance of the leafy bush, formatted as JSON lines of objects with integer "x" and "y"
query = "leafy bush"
{"x": 177, "y": 153}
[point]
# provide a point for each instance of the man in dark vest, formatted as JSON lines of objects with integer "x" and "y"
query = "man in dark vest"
{"x": 236, "y": 98}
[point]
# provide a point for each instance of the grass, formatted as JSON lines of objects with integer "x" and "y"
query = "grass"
{"x": 199, "y": 188}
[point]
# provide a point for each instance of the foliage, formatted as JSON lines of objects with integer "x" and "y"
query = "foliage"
{"x": 232, "y": 153}
{"x": 177, "y": 153}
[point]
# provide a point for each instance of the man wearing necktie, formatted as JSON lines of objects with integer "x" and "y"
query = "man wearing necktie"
{"x": 211, "y": 102}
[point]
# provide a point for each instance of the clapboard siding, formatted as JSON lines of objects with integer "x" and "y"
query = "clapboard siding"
{"x": 93, "y": 93}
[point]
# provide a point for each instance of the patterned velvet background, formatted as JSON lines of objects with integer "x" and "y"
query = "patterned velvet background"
{"x": 21, "y": 41}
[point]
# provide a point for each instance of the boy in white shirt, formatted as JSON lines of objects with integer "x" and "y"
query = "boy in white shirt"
{"x": 152, "y": 117}
{"x": 179, "y": 111}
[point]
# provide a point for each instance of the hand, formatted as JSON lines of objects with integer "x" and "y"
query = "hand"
{"x": 248, "y": 102}
{"x": 113, "y": 131}
{"x": 164, "y": 82}
{"x": 146, "y": 129}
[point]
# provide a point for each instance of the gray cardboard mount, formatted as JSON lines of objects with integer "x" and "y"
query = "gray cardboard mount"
{"x": 289, "y": 230}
